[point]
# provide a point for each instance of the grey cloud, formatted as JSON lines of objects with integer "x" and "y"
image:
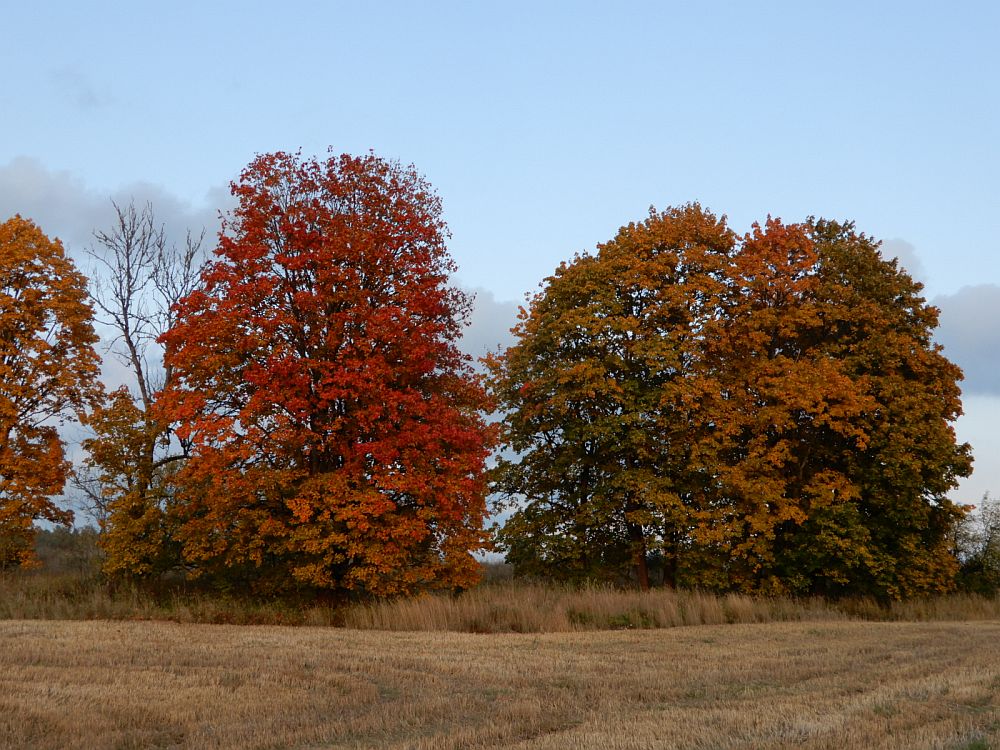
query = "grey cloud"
{"x": 967, "y": 329}
{"x": 489, "y": 325}
{"x": 970, "y": 335}
{"x": 60, "y": 203}
{"x": 906, "y": 254}
{"x": 65, "y": 207}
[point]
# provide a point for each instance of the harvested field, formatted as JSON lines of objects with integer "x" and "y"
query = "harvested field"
{"x": 840, "y": 685}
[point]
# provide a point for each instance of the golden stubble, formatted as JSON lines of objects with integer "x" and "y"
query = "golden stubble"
{"x": 840, "y": 685}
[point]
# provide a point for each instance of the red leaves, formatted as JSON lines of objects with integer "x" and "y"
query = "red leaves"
{"x": 317, "y": 374}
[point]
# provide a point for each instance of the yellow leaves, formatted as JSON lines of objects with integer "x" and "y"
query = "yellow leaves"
{"x": 121, "y": 459}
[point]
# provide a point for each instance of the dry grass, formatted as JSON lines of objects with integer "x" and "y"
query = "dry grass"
{"x": 46, "y": 596}
{"x": 844, "y": 685}
{"x": 510, "y": 607}
{"x": 536, "y": 608}
{"x": 528, "y": 608}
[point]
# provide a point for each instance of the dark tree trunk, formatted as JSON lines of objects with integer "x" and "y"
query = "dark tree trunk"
{"x": 670, "y": 562}
{"x": 638, "y": 540}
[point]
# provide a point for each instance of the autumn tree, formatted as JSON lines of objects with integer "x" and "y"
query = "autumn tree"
{"x": 336, "y": 430}
{"x": 831, "y": 442}
{"x": 782, "y": 414}
{"x": 139, "y": 276}
{"x": 803, "y": 434}
{"x": 48, "y": 371}
{"x": 880, "y": 326}
{"x": 600, "y": 396}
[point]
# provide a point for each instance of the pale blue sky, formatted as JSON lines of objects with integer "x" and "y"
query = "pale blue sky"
{"x": 544, "y": 126}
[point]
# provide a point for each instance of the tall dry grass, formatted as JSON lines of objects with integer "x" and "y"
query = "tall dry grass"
{"x": 505, "y": 607}
{"x": 44, "y": 596}
{"x": 538, "y": 608}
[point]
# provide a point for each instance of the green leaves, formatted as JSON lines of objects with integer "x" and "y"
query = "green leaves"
{"x": 597, "y": 392}
{"x": 766, "y": 414}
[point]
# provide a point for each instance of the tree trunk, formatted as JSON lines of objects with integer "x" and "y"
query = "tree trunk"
{"x": 638, "y": 540}
{"x": 670, "y": 562}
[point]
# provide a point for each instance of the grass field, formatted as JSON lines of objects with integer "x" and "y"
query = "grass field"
{"x": 823, "y": 684}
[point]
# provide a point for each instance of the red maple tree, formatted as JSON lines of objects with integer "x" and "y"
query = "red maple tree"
{"x": 337, "y": 431}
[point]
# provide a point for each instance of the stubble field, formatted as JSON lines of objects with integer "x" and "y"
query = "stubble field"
{"x": 841, "y": 685}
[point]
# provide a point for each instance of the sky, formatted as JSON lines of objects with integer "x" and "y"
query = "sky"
{"x": 544, "y": 126}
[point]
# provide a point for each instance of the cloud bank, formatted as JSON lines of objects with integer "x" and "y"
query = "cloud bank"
{"x": 970, "y": 334}
{"x": 65, "y": 207}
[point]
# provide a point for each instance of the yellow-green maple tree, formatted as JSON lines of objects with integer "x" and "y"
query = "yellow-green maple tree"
{"x": 600, "y": 397}
{"x": 127, "y": 467}
{"x": 48, "y": 370}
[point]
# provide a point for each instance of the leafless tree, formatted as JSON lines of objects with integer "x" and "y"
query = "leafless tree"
{"x": 977, "y": 543}
{"x": 138, "y": 278}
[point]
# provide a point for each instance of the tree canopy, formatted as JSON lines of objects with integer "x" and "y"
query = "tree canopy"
{"x": 337, "y": 433}
{"x": 765, "y": 413}
{"x": 598, "y": 395}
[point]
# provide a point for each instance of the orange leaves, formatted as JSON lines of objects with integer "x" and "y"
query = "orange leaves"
{"x": 813, "y": 348}
{"x": 48, "y": 370}
{"x": 748, "y": 413}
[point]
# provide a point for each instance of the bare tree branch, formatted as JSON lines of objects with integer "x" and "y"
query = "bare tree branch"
{"x": 138, "y": 281}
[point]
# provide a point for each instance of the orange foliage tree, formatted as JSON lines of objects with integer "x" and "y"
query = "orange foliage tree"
{"x": 336, "y": 432}
{"x": 48, "y": 370}
{"x": 767, "y": 414}
{"x": 832, "y": 447}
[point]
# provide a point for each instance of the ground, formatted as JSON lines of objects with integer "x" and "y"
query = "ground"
{"x": 842, "y": 685}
